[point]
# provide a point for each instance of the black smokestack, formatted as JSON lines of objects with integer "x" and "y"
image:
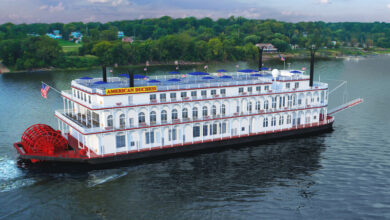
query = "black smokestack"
{"x": 260, "y": 57}
{"x": 104, "y": 73}
{"x": 312, "y": 53}
{"x": 131, "y": 79}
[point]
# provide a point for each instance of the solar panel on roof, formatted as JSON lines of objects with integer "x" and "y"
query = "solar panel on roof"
{"x": 86, "y": 77}
{"x": 173, "y": 80}
{"x": 225, "y": 77}
{"x": 124, "y": 75}
{"x": 256, "y": 74}
{"x": 199, "y": 74}
{"x": 136, "y": 76}
{"x": 247, "y": 71}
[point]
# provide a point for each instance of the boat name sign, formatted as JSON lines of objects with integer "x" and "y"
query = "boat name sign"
{"x": 131, "y": 90}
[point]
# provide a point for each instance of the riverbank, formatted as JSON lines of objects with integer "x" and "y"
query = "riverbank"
{"x": 343, "y": 53}
{"x": 3, "y": 69}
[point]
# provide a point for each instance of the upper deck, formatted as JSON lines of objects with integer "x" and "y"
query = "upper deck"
{"x": 196, "y": 80}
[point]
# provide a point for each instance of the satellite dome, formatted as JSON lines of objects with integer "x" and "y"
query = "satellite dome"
{"x": 275, "y": 73}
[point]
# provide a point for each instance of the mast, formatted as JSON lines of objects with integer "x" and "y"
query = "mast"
{"x": 104, "y": 70}
{"x": 260, "y": 57}
{"x": 312, "y": 54}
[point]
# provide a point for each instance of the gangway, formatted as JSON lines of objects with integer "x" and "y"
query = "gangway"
{"x": 345, "y": 106}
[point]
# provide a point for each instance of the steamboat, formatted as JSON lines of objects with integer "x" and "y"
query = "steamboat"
{"x": 106, "y": 120}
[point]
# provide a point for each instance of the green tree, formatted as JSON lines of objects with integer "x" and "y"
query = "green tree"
{"x": 102, "y": 51}
{"x": 215, "y": 49}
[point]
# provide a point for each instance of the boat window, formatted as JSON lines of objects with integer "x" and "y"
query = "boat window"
{"x": 120, "y": 140}
{"x": 223, "y": 128}
{"x": 249, "y": 89}
{"x": 149, "y": 137}
{"x": 213, "y": 92}
{"x": 183, "y": 94}
{"x": 266, "y": 104}
{"x": 185, "y": 113}
{"x": 249, "y": 107}
{"x": 89, "y": 99}
{"x": 122, "y": 121}
{"x": 273, "y": 102}
{"x": 287, "y": 85}
{"x": 240, "y": 90}
{"x": 172, "y": 134}
{"x": 194, "y": 112}
{"x": 173, "y": 95}
{"x": 163, "y": 97}
{"x": 257, "y": 105}
{"x": 153, "y": 117}
{"x": 213, "y": 129}
{"x": 223, "y": 91}
{"x": 273, "y": 121}
{"x": 204, "y": 92}
{"x": 265, "y": 122}
{"x": 205, "y": 130}
{"x": 193, "y": 94}
{"x": 78, "y": 94}
{"x": 85, "y": 97}
{"x": 223, "y": 109}
{"x": 214, "y": 110}
{"x": 174, "y": 114}
{"x": 258, "y": 88}
{"x": 281, "y": 120}
{"x": 141, "y": 117}
{"x": 164, "y": 116}
{"x": 153, "y": 97}
{"x": 297, "y": 85}
{"x": 288, "y": 119}
{"x": 204, "y": 111}
{"x": 196, "y": 131}
{"x": 110, "y": 122}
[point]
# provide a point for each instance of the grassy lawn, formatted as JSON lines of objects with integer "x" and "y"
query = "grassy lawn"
{"x": 68, "y": 46}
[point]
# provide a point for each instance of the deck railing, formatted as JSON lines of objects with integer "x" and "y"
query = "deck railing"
{"x": 85, "y": 127}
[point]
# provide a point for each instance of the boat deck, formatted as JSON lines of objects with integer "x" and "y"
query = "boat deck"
{"x": 182, "y": 81}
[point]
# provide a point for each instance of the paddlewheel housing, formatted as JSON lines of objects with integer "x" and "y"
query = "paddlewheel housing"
{"x": 43, "y": 139}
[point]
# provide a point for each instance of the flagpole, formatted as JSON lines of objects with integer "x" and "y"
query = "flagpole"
{"x": 51, "y": 87}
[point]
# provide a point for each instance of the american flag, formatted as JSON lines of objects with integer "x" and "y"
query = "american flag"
{"x": 282, "y": 58}
{"x": 44, "y": 89}
{"x": 303, "y": 68}
{"x": 206, "y": 67}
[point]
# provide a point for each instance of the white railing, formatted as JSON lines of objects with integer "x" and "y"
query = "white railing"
{"x": 80, "y": 124}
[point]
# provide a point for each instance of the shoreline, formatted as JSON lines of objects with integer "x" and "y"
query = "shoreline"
{"x": 266, "y": 56}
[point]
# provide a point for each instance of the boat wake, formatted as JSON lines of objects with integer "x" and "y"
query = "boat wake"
{"x": 11, "y": 177}
{"x": 104, "y": 176}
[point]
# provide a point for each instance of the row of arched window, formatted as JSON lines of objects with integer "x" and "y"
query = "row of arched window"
{"x": 273, "y": 121}
{"x": 185, "y": 113}
{"x": 164, "y": 115}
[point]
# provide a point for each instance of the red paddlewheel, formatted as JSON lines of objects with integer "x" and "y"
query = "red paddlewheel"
{"x": 43, "y": 139}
